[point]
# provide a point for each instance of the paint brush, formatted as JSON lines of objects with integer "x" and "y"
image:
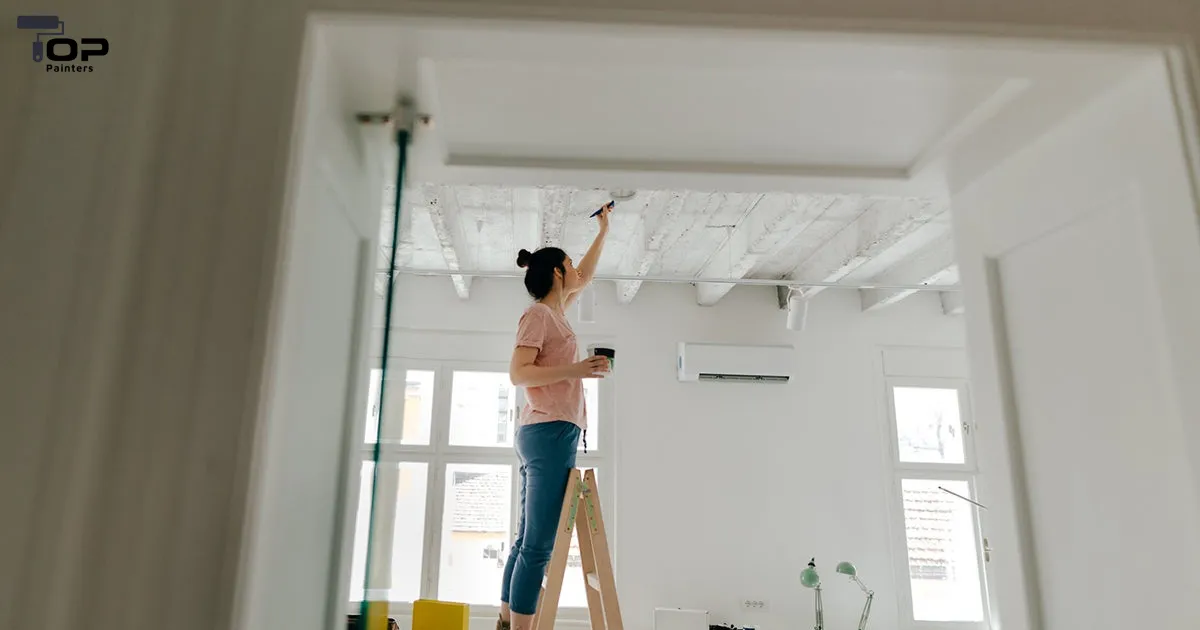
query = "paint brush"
{"x": 611, "y": 204}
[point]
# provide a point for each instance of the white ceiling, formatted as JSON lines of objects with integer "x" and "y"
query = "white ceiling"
{"x": 809, "y": 157}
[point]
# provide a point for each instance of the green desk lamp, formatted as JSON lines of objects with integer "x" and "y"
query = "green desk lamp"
{"x": 848, "y": 569}
{"x": 811, "y": 579}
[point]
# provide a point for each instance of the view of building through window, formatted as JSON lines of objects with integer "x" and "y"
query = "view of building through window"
{"x": 476, "y": 519}
{"x": 943, "y": 563}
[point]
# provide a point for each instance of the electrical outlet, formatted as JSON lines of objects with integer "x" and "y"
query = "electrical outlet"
{"x": 757, "y": 605}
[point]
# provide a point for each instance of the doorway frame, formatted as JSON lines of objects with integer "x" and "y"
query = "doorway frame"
{"x": 1021, "y": 610}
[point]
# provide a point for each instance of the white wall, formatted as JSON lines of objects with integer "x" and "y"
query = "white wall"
{"x": 724, "y": 491}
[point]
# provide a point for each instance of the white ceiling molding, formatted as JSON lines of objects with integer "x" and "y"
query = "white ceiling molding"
{"x": 442, "y": 203}
{"x": 776, "y": 221}
{"x": 884, "y": 224}
{"x": 935, "y": 264}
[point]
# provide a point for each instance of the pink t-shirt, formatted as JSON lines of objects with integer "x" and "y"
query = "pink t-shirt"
{"x": 543, "y": 328}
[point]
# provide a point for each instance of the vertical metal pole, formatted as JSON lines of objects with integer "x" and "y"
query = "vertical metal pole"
{"x": 402, "y": 121}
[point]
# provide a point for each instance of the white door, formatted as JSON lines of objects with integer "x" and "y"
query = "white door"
{"x": 1080, "y": 257}
{"x": 297, "y": 569}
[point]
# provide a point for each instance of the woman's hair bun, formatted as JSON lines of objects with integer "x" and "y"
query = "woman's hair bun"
{"x": 523, "y": 257}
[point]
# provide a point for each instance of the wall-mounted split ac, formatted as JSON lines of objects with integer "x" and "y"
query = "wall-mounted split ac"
{"x": 735, "y": 363}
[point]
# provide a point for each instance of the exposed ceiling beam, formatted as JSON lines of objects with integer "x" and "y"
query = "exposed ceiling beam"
{"x": 663, "y": 209}
{"x": 444, "y": 214}
{"x": 881, "y": 226}
{"x": 934, "y": 264}
{"x": 952, "y": 302}
{"x": 774, "y": 223}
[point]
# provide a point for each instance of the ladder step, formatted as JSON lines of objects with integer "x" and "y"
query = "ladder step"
{"x": 593, "y": 581}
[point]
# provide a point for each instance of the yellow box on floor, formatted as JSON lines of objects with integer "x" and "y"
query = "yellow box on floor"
{"x": 430, "y": 614}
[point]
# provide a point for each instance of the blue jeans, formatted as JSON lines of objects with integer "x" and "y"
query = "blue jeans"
{"x": 547, "y": 454}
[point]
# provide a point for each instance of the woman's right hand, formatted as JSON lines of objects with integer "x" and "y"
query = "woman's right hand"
{"x": 591, "y": 367}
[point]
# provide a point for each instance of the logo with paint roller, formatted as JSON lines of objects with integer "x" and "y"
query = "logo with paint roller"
{"x": 52, "y": 45}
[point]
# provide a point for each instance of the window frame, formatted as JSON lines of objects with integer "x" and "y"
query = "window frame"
{"x": 900, "y": 470}
{"x": 439, "y": 454}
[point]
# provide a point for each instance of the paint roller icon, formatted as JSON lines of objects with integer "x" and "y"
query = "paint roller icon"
{"x": 46, "y": 24}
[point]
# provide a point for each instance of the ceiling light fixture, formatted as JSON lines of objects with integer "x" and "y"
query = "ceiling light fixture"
{"x": 797, "y": 311}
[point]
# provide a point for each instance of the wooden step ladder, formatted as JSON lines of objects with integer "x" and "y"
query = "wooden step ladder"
{"x": 581, "y": 506}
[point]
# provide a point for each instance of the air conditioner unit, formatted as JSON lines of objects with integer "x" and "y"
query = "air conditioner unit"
{"x": 735, "y": 363}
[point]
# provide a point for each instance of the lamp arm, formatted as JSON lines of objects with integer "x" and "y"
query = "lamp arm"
{"x": 861, "y": 585}
{"x": 862, "y": 621}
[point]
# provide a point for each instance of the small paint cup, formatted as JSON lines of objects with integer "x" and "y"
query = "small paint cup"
{"x": 604, "y": 351}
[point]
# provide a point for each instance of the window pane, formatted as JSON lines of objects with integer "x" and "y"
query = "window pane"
{"x": 591, "y": 398}
{"x": 482, "y": 409}
{"x": 943, "y": 561}
{"x": 476, "y": 530}
{"x": 409, "y": 407}
{"x": 928, "y": 425}
{"x": 400, "y": 532}
{"x": 574, "y": 590}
